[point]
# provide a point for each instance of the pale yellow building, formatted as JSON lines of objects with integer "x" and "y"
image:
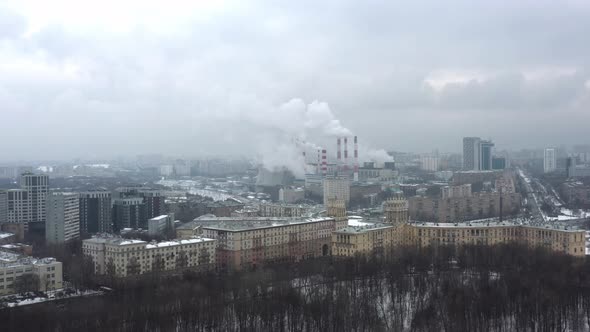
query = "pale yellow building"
{"x": 122, "y": 257}
{"x": 397, "y": 230}
{"x": 47, "y": 272}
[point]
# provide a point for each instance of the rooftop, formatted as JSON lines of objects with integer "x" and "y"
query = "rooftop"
{"x": 117, "y": 241}
{"x": 243, "y": 224}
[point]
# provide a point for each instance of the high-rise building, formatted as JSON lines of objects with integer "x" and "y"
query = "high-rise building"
{"x": 429, "y": 162}
{"x": 549, "y": 160}
{"x": 498, "y": 163}
{"x": 95, "y": 212}
{"x": 18, "y": 207}
{"x": 471, "y": 153}
{"x": 485, "y": 155}
{"x": 37, "y": 187}
{"x": 63, "y": 218}
{"x": 477, "y": 154}
{"x": 337, "y": 188}
{"x": 3, "y": 206}
{"x": 153, "y": 200}
{"x": 129, "y": 213}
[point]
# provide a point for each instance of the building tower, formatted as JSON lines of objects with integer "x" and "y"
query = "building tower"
{"x": 63, "y": 218}
{"x": 396, "y": 210}
{"x": 37, "y": 187}
{"x": 336, "y": 208}
{"x": 95, "y": 212}
{"x": 549, "y": 160}
{"x": 471, "y": 153}
{"x": 485, "y": 155}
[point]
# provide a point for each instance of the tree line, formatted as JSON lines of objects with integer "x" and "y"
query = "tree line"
{"x": 507, "y": 287}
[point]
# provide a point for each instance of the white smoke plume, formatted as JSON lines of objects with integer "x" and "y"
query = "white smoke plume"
{"x": 293, "y": 127}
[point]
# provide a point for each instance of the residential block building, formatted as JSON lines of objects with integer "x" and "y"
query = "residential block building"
{"x": 120, "y": 257}
{"x": 95, "y": 212}
{"x": 46, "y": 272}
{"x": 63, "y": 218}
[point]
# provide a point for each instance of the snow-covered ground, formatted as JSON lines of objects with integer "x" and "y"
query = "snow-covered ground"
{"x": 16, "y": 300}
{"x": 567, "y": 214}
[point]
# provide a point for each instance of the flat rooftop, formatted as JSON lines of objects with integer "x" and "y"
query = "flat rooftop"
{"x": 244, "y": 224}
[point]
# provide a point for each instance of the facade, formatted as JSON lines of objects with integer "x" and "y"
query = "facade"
{"x": 549, "y": 160}
{"x": 249, "y": 243}
{"x": 394, "y": 232}
{"x": 122, "y": 257}
{"x": 463, "y": 190}
{"x": 46, "y": 272}
{"x": 485, "y": 155}
{"x": 18, "y": 207}
{"x": 430, "y": 163}
{"x": 498, "y": 163}
{"x": 336, "y": 188}
{"x": 291, "y": 195}
{"x": 477, "y": 206}
{"x": 37, "y": 186}
{"x": 3, "y": 207}
{"x": 63, "y": 218}
{"x": 95, "y": 212}
{"x": 160, "y": 224}
{"x": 475, "y": 176}
{"x": 471, "y": 153}
{"x": 129, "y": 213}
{"x": 281, "y": 210}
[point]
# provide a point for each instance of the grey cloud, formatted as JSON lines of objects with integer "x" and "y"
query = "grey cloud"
{"x": 367, "y": 60}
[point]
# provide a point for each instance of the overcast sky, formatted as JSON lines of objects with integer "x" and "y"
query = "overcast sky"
{"x": 101, "y": 78}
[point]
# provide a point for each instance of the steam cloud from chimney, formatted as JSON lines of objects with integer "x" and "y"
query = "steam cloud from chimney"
{"x": 283, "y": 128}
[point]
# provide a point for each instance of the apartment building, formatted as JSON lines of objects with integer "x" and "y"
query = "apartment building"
{"x": 477, "y": 206}
{"x": 46, "y": 272}
{"x": 282, "y": 210}
{"x": 95, "y": 212}
{"x": 123, "y": 257}
{"x": 374, "y": 238}
{"x": 62, "y": 218}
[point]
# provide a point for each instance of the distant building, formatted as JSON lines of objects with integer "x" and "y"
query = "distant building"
{"x": 95, "y": 212}
{"x": 498, "y": 163}
{"x": 129, "y": 213}
{"x": 63, "y": 218}
{"x": 133, "y": 206}
{"x": 549, "y": 160}
{"x": 471, "y": 153}
{"x": 37, "y": 186}
{"x": 576, "y": 194}
{"x": 46, "y": 272}
{"x": 160, "y": 224}
{"x": 477, "y": 154}
{"x": 3, "y": 207}
{"x": 282, "y": 210}
{"x": 291, "y": 195}
{"x": 485, "y": 150}
{"x": 18, "y": 207}
{"x": 463, "y": 190}
{"x": 477, "y": 206}
{"x": 336, "y": 188}
{"x": 430, "y": 163}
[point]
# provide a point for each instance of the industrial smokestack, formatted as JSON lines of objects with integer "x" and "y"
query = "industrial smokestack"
{"x": 345, "y": 154}
{"x": 339, "y": 153}
{"x": 356, "y": 159}
{"x": 324, "y": 163}
{"x": 318, "y": 164}
{"x": 304, "y": 158}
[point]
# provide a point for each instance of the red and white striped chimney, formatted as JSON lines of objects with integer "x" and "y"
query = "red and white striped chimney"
{"x": 356, "y": 159}
{"x": 345, "y": 154}
{"x": 324, "y": 163}
{"x": 318, "y": 167}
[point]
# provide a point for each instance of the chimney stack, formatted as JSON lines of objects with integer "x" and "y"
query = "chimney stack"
{"x": 345, "y": 154}
{"x": 318, "y": 164}
{"x": 339, "y": 153}
{"x": 356, "y": 159}
{"x": 324, "y": 163}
